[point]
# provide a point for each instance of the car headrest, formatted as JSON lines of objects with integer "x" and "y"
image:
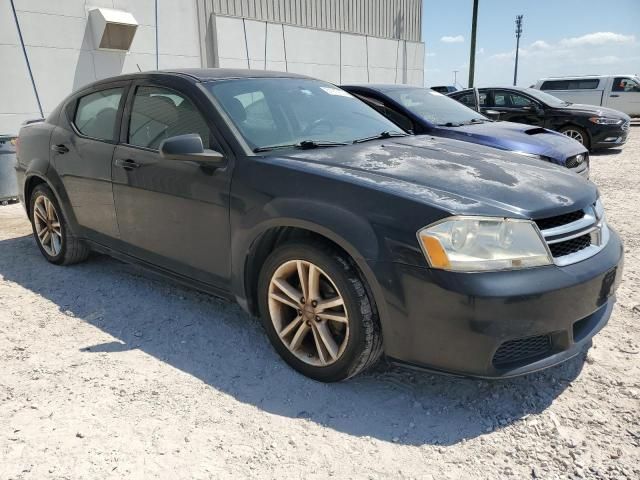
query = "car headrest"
{"x": 158, "y": 108}
{"x": 236, "y": 109}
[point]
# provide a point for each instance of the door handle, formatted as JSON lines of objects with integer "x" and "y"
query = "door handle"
{"x": 61, "y": 149}
{"x": 614, "y": 95}
{"x": 127, "y": 164}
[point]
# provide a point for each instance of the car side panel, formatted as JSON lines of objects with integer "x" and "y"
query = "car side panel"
{"x": 375, "y": 227}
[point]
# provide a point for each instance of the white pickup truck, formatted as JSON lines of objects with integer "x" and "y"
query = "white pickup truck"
{"x": 620, "y": 92}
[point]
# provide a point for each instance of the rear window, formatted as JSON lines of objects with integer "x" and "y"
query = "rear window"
{"x": 588, "y": 84}
{"x": 97, "y": 113}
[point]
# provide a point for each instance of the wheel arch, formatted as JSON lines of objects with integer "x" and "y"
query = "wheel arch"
{"x": 573, "y": 123}
{"x": 277, "y": 231}
{"x": 33, "y": 179}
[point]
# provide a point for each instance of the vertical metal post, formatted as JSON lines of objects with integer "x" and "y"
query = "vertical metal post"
{"x": 518, "y": 33}
{"x": 26, "y": 59}
{"x": 472, "y": 55}
{"x": 157, "y": 52}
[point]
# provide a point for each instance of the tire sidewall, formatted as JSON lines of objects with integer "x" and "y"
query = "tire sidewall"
{"x": 43, "y": 190}
{"x": 334, "y": 267}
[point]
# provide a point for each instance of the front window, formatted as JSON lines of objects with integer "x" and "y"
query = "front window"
{"x": 626, "y": 84}
{"x": 288, "y": 111}
{"x": 159, "y": 113}
{"x": 435, "y": 107}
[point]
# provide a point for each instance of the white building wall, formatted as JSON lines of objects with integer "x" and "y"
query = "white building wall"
{"x": 59, "y": 45}
{"x": 333, "y": 56}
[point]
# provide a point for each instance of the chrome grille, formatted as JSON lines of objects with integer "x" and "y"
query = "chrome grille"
{"x": 575, "y": 162}
{"x": 575, "y": 236}
{"x": 625, "y": 126}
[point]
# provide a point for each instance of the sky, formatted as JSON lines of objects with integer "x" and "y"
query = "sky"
{"x": 560, "y": 37}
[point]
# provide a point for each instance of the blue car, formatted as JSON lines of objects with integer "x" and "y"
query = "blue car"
{"x": 424, "y": 111}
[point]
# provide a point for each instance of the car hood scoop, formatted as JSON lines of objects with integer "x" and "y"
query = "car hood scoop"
{"x": 457, "y": 176}
{"x": 536, "y": 131}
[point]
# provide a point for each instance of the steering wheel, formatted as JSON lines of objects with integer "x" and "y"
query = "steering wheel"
{"x": 317, "y": 124}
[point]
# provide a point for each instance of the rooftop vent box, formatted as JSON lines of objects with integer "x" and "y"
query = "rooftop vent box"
{"x": 112, "y": 29}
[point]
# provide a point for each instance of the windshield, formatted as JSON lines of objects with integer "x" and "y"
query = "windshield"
{"x": 290, "y": 111}
{"x": 546, "y": 98}
{"x": 434, "y": 107}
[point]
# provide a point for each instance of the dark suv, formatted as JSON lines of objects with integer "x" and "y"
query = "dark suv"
{"x": 349, "y": 238}
{"x": 594, "y": 127}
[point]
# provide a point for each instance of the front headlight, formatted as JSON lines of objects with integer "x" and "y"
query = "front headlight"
{"x": 473, "y": 244}
{"x": 605, "y": 121}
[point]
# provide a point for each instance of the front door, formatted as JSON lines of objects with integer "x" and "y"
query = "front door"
{"x": 625, "y": 95}
{"x": 515, "y": 107}
{"x": 173, "y": 214}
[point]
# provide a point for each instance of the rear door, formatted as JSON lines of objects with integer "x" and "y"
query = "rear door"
{"x": 625, "y": 95}
{"x": 173, "y": 214}
{"x": 82, "y": 148}
{"x": 516, "y": 107}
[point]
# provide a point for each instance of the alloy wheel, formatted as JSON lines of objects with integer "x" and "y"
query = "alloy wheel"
{"x": 308, "y": 313}
{"x": 576, "y": 135}
{"x": 47, "y": 224}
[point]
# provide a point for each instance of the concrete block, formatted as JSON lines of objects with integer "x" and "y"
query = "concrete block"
{"x": 354, "y": 50}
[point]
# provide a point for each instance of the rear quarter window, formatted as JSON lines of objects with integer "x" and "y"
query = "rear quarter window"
{"x": 97, "y": 113}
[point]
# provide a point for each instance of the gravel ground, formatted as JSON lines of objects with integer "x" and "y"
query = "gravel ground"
{"x": 108, "y": 372}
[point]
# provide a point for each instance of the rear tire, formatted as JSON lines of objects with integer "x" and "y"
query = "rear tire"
{"x": 330, "y": 336}
{"x": 578, "y": 134}
{"x": 51, "y": 230}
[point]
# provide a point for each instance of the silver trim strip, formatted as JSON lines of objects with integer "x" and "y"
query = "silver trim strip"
{"x": 587, "y": 221}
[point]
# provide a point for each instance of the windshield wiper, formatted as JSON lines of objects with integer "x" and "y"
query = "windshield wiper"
{"x": 385, "y": 134}
{"x": 450, "y": 124}
{"x": 304, "y": 145}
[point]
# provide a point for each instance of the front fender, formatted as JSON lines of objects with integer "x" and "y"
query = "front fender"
{"x": 346, "y": 229}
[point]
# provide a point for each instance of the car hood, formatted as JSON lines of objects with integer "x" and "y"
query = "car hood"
{"x": 452, "y": 175}
{"x": 595, "y": 110}
{"x": 519, "y": 137}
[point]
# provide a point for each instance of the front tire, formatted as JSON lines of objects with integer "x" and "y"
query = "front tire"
{"x": 51, "y": 231}
{"x": 578, "y": 134}
{"x": 317, "y": 312}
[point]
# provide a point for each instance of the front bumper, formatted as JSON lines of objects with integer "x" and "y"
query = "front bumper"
{"x": 472, "y": 323}
{"x": 609, "y": 136}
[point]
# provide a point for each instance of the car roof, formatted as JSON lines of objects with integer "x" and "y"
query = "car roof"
{"x": 499, "y": 87}
{"x": 203, "y": 74}
{"x": 381, "y": 87}
{"x": 577, "y": 77}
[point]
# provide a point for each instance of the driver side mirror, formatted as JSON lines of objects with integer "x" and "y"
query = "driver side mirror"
{"x": 189, "y": 147}
{"x": 492, "y": 114}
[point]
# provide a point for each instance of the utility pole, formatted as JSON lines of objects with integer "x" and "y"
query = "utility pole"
{"x": 518, "y": 33}
{"x": 472, "y": 55}
{"x": 455, "y": 77}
